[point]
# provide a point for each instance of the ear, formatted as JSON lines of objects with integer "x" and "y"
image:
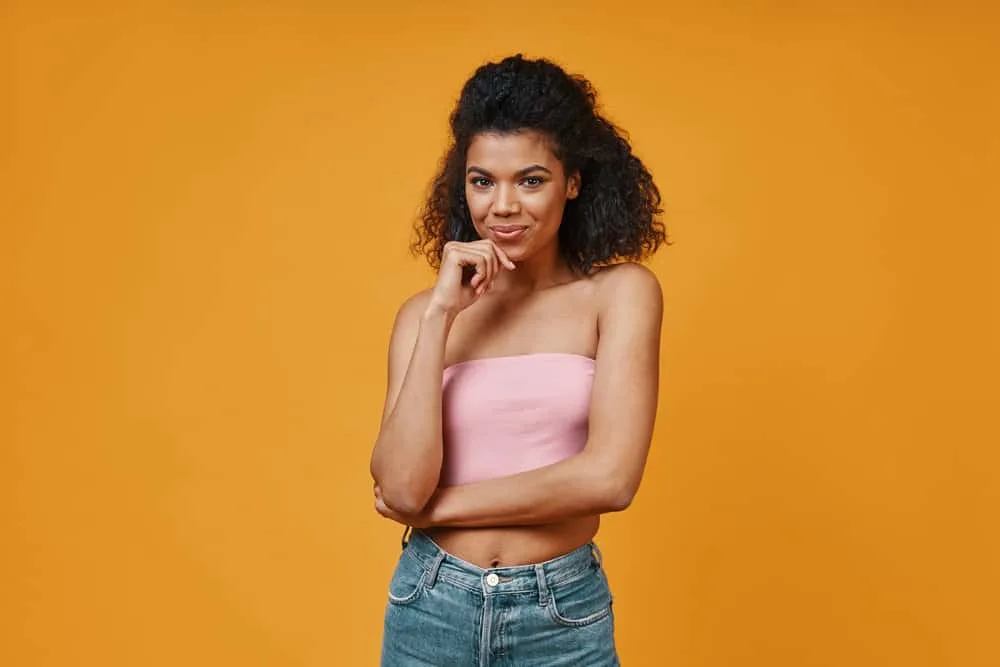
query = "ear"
{"x": 573, "y": 186}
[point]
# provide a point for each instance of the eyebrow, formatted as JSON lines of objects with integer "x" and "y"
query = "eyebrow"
{"x": 518, "y": 174}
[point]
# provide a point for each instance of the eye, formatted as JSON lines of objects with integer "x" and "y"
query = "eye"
{"x": 533, "y": 181}
{"x": 480, "y": 182}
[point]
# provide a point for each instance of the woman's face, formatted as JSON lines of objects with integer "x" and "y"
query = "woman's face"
{"x": 516, "y": 190}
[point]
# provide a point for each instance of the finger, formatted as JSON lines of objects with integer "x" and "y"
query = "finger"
{"x": 494, "y": 264}
{"x": 483, "y": 258}
{"x": 467, "y": 257}
{"x": 461, "y": 254}
{"x": 504, "y": 259}
{"x": 384, "y": 510}
{"x": 488, "y": 267}
{"x": 484, "y": 272}
{"x": 391, "y": 515}
{"x": 482, "y": 269}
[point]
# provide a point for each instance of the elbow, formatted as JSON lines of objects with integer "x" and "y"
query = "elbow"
{"x": 404, "y": 502}
{"x": 406, "y": 497}
{"x": 617, "y": 494}
{"x": 405, "y": 492}
{"x": 614, "y": 480}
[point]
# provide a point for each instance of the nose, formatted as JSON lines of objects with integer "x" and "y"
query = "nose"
{"x": 506, "y": 204}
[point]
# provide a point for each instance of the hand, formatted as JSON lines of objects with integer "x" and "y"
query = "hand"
{"x": 452, "y": 292}
{"x": 421, "y": 520}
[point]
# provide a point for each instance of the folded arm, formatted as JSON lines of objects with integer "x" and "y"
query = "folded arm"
{"x": 406, "y": 460}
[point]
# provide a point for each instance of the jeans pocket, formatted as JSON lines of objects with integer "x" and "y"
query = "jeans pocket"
{"x": 407, "y": 581}
{"x": 581, "y": 601}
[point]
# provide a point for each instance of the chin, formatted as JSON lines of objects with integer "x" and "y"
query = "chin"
{"x": 515, "y": 251}
{"x": 517, "y": 256}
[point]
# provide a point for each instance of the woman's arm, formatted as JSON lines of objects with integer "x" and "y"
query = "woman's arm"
{"x": 605, "y": 476}
{"x": 406, "y": 460}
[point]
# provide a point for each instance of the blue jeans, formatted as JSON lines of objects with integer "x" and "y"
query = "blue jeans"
{"x": 445, "y": 612}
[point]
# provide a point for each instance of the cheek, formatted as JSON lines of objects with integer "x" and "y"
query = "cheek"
{"x": 546, "y": 208}
{"x": 478, "y": 203}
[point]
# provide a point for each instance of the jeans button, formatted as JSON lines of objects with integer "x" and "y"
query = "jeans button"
{"x": 492, "y": 579}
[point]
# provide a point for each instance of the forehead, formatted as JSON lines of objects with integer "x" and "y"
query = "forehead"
{"x": 512, "y": 151}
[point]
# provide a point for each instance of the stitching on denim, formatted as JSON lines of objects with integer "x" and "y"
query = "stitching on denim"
{"x": 433, "y": 570}
{"x": 411, "y": 597}
{"x": 470, "y": 583}
{"x": 543, "y": 586}
{"x": 444, "y": 575}
{"x": 569, "y": 576}
{"x": 577, "y": 623}
{"x": 586, "y": 620}
{"x": 484, "y": 633}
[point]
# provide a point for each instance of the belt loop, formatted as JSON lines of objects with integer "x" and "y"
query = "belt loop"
{"x": 543, "y": 587}
{"x": 432, "y": 570}
{"x": 596, "y": 553}
{"x": 406, "y": 534}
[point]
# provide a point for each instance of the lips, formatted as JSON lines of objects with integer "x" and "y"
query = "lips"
{"x": 508, "y": 232}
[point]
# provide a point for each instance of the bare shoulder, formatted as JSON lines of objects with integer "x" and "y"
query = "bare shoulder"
{"x": 628, "y": 284}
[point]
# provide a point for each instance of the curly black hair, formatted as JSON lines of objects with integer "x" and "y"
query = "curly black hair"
{"x": 616, "y": 215}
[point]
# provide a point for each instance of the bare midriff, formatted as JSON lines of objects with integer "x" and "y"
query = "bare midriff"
{"x": 508, "y": 546}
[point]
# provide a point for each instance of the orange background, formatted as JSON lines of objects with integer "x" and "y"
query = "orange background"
{"x": 206, "y": 209}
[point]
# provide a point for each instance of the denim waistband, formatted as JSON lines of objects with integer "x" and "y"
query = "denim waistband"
{"x": 501, "y": 580}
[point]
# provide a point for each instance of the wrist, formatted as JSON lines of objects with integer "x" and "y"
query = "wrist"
{"x": 435, "y": 512}
{"x": 436, "y": 314}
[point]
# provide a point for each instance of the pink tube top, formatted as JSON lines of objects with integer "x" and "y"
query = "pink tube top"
{"x": 505, "y": 415}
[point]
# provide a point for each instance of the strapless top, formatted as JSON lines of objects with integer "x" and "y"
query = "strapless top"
{"x": 505, "y": 415}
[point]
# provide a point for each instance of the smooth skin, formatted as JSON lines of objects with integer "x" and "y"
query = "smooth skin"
{"x": 522, "y": 299}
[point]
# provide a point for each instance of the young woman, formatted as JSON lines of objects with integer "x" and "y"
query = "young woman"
{"x": 522, "y": 387}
